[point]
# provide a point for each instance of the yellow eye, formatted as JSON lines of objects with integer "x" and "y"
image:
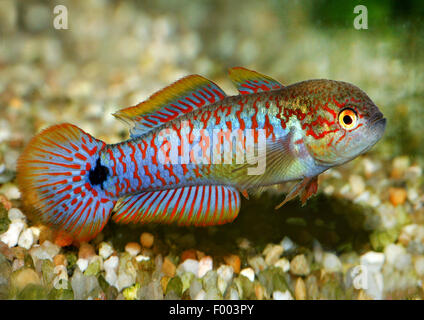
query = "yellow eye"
{"x": 347, "y": 119}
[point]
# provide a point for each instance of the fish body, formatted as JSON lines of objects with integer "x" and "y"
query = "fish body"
{"x": 193, "y": 149}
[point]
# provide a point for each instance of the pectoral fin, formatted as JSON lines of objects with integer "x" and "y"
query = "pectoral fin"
{"x": 305, "y": 189}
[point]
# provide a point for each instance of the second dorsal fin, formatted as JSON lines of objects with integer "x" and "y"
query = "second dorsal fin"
{"x": 248, "y": 81}
{"x": 189, "y": 93}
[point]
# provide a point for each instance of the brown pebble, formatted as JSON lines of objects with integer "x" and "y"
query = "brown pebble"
{"x": 300, "y": 289}
{"x": 259, "y": 291}
{"x": 18, "y": 252}
{"x": 45, "y": 234}
{"x": 5, "y": 202}
{"x": 397, "y": 196}
{"x": 86, "y": 251}
{"x": 147, "y": 239}
{"x": 188, "y": 254}
{"x": 233, "y": 261}
{"x": 133, "y": 248}
{"x": 168, "y": 267}
{"x": 60, "y": 260}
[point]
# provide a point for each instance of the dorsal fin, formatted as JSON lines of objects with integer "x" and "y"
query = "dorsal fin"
{"x": 189, "y": 93}
{"x": 248, "y": 81}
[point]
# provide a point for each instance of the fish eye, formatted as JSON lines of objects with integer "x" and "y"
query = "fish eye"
{"x": 347, "y": 119}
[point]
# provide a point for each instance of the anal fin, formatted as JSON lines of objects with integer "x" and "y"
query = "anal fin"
{"x": 193, "y": 205}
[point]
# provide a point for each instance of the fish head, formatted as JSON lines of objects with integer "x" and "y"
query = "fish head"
{"x": 343, "y": 125}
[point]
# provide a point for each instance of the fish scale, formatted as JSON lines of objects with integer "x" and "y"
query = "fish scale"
{"x": 271, "y": 134}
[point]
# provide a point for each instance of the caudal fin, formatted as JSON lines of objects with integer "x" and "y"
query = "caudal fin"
{"x": 60, "y": 175}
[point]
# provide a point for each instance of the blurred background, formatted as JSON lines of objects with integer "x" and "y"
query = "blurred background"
{"x": 115, "y": 54}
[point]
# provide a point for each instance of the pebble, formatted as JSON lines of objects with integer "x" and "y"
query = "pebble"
{"x": 46, "y": 251}
{"x": 6, "y": 203}
{"x": 82, "y": 264}
{"x": 257, "y": 263}
{"x": 205, "y": 265}
{"x": 225, "y": 274}
{"x": 287, "y": 244}
{"x": 397, "y": 256}
{"x": 195, "y": 287}
{"x": 201, "y": 295}
{"x": 59, "y": 260}
{"x": 357, "y": 184}
{"x": 249, "y": 273}
{"x": 11, "y": 191}
{"x": 331, "y": 262}
{"x": 188, "y": 254}
{"x": 11, "y": 236}
{"x": 397, "y": 196}
{"x": 133, "y": 248}
{"x": 373, "y": 260}
{"x": 105, "y": 250}
{"x": 168, "y": 267}
{"x": 300, "y": 289}
{"x": 259, "y": 291}
{"x": 283, "y": 263}
{"x": 190, "y": 265}
{"x": 233, "y": 261}
{"x": 399, "y": 166}
{"x": 26, "y": 239}
{"x": 278, "y": 295}
{"x": 86, "y": 251}
{"x": 141, "y": 257}
{"x": 24, "y": 277}
{"x": 419, "y": 265}
{"x": 272, "y": 253}
{"x": 111, "y": 267}
{"x": 16, "y": 214}
{"x": 147, "y": 239}
{"x": 299, "y": 266}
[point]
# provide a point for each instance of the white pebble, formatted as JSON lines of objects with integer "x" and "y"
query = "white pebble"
{"x": 278, "y": 295}
{"x": 397, "y": 256}
{"x": 287, "y": 244}
{"x": 373, "y": 260}
{"x": 205, "y": 265}
{"x": 284, "y": 264}
{"x": 225, "y": 274}
{"x": 124, "y": 280}
{"x": 248, "y": 273}
{"x": 331, "y": 262}
{"x": 140, "y": 258}
{"x": 111, "y": 264}
{"x": 36, "y": 233}
{"x": 26, "y": 239}
{"x": 11, "y": 236}
{"x": 105, "y": 250}
{"x": 419, "y": 266}
{"x": 190, "y": 265}
{"x": 201, "y": 295}
{"x": 16, "y": 214}
{"x": 82, "y": 264}
{"x": 12, "y": 192}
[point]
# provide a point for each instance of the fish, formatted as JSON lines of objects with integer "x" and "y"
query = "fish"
{"x": 193, "y": 150}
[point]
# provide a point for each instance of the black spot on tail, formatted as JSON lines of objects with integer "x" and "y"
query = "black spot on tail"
{"x": 98, "y": 175}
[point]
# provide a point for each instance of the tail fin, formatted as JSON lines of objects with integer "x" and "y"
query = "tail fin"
{"x": 60, "y": 175}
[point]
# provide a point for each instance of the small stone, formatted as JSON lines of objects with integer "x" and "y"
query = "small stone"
{"x": 5, "y": 202}
{"x": 86, "y": 251}
{"x": 259, "y": 291}
{"x": 272, "y": 253}
{"x": 133, "y": 248}
{"x": 300, "y": 289}
{"x": 249, "y": 273}
{"x": 60, "y": 259}
{"x": 257, "y": 263}
{"x": 26, "y": 239}
{"x": 205, "y": 265}
{"x": 278, "y": 295}
{"x": 299, "y": 266}
{"x": 399, "y": 166}
{"x": 94, "y": 267}
{"x": 331, "y": 262}
{"x": 124, "y": 280}
{"x": 283, "y": 263}
{"x": 131, "y": 292}
{"x": 233, "y": 261}
{"x": 225, "y": 274}
{"x": 188, "y": 254}
{"x": 357, "y": 184}
{"x": 373, "y": 260}
{"x": 147, "y": 239}
{"x": 105, "y": 250}
{"x": 16, "y": 214}
{"x": 419, "y": 265}
{"x": 82, "y": 264}
{"x": 11, "y": 236}
{"x": 168, "y": 267}
{"x": 190, "y": 265}
{"x": 23, "y": 277}
{"x": 195, "y": 288}
{"x": 140, "y": 258}
{"x": 397, "y": 256}
{"x": 397, "y": 196}
{"x": 201, "y": 295}
{"x": 287, "y": 244}
{"x": 11, "y": 191}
